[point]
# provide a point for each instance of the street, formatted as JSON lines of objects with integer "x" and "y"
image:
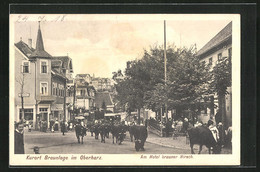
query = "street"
{"x": 51, "y": 143}
{"x": 56, "y": 143}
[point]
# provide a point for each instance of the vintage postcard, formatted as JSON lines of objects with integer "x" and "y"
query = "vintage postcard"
{"x": 124, "y": 89}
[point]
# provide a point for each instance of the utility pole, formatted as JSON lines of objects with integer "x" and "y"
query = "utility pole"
{"x": 74, "y": 95}
{"x": 64, "y": 106}
{"x": 165, "y": 70}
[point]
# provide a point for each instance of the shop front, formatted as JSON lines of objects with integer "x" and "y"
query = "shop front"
{"x": 57, "y": 112}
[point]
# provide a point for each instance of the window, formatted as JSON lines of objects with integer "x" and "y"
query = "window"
{"x": 44, "y": 113}
{"x": 210, "y": 61}
{"x": 28, "y": 114}
{"x": 82, "y": 92}
{"x": 25, "y": 67}
{"x": 54, "y": 89}
{"x": 44, "y": 90}
{"x": 219, "y": 56}
{"x": 44, "y": 67}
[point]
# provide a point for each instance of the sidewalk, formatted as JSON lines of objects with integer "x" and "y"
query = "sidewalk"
{"x": 178, "y": 143}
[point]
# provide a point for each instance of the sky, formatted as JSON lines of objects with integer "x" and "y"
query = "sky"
{"x": 102, "y": 44}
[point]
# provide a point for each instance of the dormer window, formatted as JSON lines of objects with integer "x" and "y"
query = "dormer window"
{"x": 43, "y": 66}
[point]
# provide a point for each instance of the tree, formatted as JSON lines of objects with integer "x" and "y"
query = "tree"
{"x": 187, "y": 81}
{"x": 144, "y": 85}
{"x": 221, "y": 80}
{"x": 20, "y": 81}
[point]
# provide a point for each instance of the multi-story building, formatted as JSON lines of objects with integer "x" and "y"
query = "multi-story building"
{"x": 102, "y": 84}
{"x": 219, "y": 46}
{"x": 63, "y": 64}
{"x": 84, "y": 95}
{"x": 84, "y": 77}
{"x": 40, "y": 85}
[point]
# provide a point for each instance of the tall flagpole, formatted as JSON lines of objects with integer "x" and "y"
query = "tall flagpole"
{"x": 165, "y": 69}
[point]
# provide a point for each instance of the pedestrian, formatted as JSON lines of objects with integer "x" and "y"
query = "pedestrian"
{"x": 56, "y": 125}
{"x": 213, "y": 130}
{"x": 19, "y": 138}
{"x": 30, "y": 127}
{"x": 71, "y": 126}
{"x": 63, "y": 127}
{"x": 185, "y": 125}
{"x": 36, "y": 150}
{"x": 218, "y": 117}
{"x": 221, "y": 133}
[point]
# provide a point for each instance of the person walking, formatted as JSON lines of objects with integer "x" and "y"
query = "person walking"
{"x": 218, "y": 117}
{"x": 19, "y": 138}
{"x": 185, "y": 125}
{"x": 30, "y": 127}
{"x": 62, "y": 127}
{"x": 221, "y": 133}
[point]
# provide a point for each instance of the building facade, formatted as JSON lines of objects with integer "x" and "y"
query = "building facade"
{"x": 103, "y": 84}
{"x": 219, "y": 46}
{"x": 84, "y": 96}
{"x": 41, "y": 82}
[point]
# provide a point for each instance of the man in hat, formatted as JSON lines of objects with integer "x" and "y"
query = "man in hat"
{"x": 18, "y": 138}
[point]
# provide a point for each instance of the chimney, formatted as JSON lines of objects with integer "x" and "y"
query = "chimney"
{"x": 30, "y": 43}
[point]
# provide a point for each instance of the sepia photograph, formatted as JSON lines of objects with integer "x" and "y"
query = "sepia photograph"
{"x": 124, "y": 89}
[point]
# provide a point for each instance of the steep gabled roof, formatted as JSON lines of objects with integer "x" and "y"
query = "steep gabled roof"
{"x": 222, "y": 36}
{"x": 39, "y": 51}
{"x": 103, "y": 96}
{"x": 24, "y": 48}
{"x": 65, "y": 60}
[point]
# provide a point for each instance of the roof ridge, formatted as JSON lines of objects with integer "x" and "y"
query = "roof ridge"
{"x": 217, "y": 39}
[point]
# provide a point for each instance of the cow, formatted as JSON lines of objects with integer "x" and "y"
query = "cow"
{"x": 131, "y": 130}
{"x": 118, "y": 131}
{"x": 104, "y": 129}
{"x": 202, "y": 135}
{"x": 80, "y": 132}
{"x": 90, "y": 127}
{"x": 96, "y": 130}
{"x": 140, "y": 135}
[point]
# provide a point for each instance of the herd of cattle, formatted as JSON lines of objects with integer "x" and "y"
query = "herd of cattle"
{"x": 103, "y": 128}
{"x": 138, "y": 133}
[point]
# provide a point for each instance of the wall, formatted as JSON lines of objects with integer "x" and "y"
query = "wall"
{"x": 29, "y": 84}
{"x": 43, "y": 77}
{"x": 59, "y": 81}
